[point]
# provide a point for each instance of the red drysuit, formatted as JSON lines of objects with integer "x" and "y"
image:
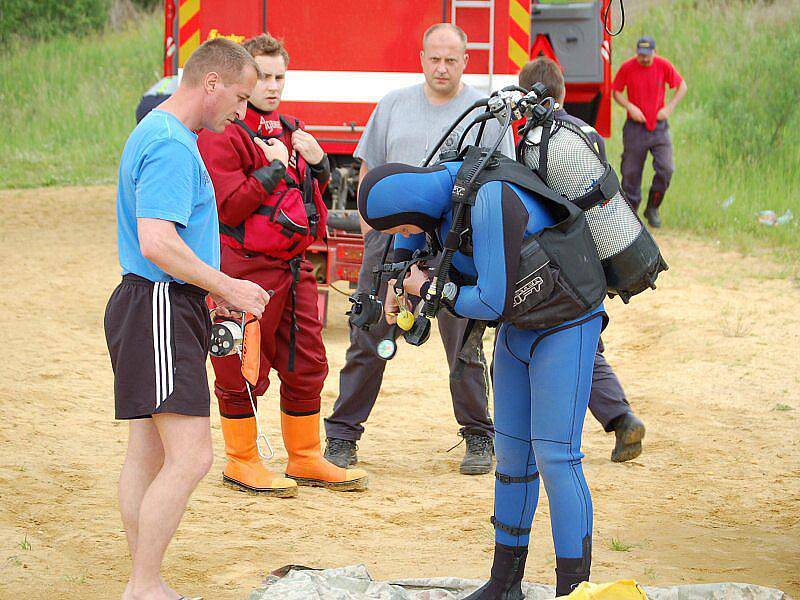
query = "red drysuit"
{"x": 268, "y": 216}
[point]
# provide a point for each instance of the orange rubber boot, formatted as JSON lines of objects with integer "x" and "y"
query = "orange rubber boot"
{"x": 306, "y": 463}
{"x": 244, "y": 469}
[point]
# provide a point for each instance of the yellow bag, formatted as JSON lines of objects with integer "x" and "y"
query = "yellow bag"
{"x": 624, "y": 589}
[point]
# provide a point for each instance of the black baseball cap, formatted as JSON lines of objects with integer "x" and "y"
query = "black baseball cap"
{"x": 645, "y": 45}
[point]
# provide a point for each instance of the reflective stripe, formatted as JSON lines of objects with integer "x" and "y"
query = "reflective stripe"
{"x": 367, "y": 86}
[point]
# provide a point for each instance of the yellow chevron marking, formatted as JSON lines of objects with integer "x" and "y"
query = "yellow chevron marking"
{"x": 189, "y": 46}
{"x": 187, "y": 10}
{"x": 516, "y": 53}
{"x": 520, "y": 15}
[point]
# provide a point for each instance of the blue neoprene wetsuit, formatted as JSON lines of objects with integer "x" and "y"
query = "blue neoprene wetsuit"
{"x": 541, "y": 378}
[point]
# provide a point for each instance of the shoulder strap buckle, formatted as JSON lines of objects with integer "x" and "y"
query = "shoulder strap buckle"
{"x": 603, "y": 190}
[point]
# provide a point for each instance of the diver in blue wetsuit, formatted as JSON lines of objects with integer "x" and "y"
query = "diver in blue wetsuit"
{"x": 542, "y": 375}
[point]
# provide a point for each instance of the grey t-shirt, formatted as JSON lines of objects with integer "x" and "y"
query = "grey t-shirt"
{"x": 405, "y": 126}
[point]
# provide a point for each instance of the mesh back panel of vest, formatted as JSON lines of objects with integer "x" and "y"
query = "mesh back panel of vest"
{"x": 572, "y": 169}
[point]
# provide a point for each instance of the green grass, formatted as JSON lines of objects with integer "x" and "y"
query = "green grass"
{"x": 42, "y": 19}
{"x": 619, "y": 546}
{"x": 68, "y": 104}
{"x": 735, "y": 132}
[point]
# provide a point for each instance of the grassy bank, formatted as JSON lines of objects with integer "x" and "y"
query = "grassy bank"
{"x": 68, "y": 107}
{"x": 68, "y": 104}
{"x": 735, "y": 133}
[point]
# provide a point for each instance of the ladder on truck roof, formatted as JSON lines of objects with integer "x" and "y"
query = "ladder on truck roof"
{"x": 482, "y": 46}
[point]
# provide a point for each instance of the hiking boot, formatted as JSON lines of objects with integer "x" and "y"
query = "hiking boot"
{"x": 654, "y": 200}
{"x": 629, "y": 431}
{"x": 651, "y": 214}
{"x": 479, "y": 452}
{"x": 340, "y": 452}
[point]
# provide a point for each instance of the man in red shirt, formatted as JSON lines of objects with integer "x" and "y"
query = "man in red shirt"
{"x": 647, "y": 129}
{"x": 268, "y": 174}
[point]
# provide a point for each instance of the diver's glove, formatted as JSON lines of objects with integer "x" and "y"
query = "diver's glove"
{"x": 269, "y": 176}
{"x": 322, "y": 170}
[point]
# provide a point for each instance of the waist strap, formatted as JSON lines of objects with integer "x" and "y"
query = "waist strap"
{"x": 181, "y": 288}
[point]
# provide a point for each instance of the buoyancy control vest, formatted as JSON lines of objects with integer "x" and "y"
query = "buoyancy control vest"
{"x": 559, "y": 276}
{"x": 292, "y": 215}
{"x": 565, "y": 158}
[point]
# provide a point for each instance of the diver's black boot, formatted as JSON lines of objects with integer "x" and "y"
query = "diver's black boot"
{"x": 508, "y": 568}
{"x": 567, "y": 582}
{"x": 651, "y": 212}
{"x": 570, "y": 572}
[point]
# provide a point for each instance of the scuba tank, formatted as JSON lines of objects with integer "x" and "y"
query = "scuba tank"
{"x": 630, "y": 257}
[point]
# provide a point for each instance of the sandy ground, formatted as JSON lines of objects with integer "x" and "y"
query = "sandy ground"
{"x": 710, "y": 361}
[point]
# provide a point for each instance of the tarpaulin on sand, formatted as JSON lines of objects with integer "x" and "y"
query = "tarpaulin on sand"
{"x": 354, "y": 583}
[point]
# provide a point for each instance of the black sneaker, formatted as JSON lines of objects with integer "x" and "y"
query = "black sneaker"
{"x": 479, "y": 452}
{"x": 342, "y": 453}
{"x": 629, "y": 431}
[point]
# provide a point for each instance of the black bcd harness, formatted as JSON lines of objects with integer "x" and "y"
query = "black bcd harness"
{"x": 559, "y": 276}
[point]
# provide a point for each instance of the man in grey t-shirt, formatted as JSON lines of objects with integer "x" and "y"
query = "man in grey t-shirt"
{"x": 404, "y": 127}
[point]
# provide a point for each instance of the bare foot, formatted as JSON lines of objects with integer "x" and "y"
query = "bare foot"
{"x": 172, "y": 594}
{"x": 156, "y": 593}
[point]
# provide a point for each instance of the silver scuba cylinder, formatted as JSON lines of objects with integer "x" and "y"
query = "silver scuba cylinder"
{"x": 630, "y": 257}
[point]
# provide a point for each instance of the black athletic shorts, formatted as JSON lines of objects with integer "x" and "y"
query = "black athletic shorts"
{"x": 158, "y": 336}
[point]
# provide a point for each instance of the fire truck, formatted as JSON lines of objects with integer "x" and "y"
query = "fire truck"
{"x": 346, "y": 55}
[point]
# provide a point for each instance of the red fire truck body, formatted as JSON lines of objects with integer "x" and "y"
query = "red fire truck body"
{"x": 346, "y": 55}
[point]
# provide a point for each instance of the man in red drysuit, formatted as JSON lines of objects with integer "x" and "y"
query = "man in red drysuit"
{"x": 268, "y": 174}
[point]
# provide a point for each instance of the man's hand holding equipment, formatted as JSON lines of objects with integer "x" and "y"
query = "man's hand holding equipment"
{"x": 273, "y": 149}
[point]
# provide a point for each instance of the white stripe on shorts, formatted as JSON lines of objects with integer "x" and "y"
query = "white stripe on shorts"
{"x": 168, "y": 338}
{"x": 156, "y": 345}
{"x": 162, "y": 341}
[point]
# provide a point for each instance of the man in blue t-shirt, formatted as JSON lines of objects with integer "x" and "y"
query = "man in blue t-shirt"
{"x": 157, "y": 323}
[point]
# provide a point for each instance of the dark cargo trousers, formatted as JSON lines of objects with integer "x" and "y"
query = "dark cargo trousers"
{"x": 637, "y": 141}
{"x": 607, "y": 399}
{"x": 361, "y": 377}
